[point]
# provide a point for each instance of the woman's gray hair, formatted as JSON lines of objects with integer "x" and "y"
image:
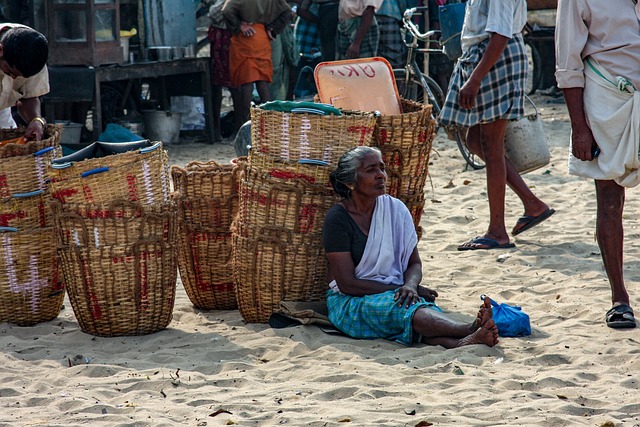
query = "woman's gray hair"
{"x": 347, "y": 171}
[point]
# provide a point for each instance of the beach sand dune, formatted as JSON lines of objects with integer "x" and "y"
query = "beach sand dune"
{"x": 212, "y": 369}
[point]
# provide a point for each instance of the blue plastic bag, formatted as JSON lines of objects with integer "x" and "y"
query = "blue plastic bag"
{"x": 510, "y": 320}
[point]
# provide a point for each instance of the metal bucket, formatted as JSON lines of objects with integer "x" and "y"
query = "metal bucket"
{"x": 525, "y": 144}
{"x": 71, "y": 132}
{"x": 162, "y": 126}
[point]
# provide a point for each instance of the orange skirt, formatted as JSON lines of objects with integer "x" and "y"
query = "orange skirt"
{"x": 250, "y": 57}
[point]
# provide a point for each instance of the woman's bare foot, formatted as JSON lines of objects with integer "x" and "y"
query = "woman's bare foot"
{"x": 484, "y": 314}
{"x": 486, "y": 334}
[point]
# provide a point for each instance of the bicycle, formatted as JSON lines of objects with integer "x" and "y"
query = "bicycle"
{"x": 414, "y": 85}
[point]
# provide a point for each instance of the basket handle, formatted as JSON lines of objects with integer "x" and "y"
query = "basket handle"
{"x": 43, "y": 151}
{"x": 94, "y": 171}
{"x": 534, "y": 105}
{"x": 313, "y": 162}
{"x": 281, "y": 187}
{"x": 8, "y": 229}
{"x": 148, "y": 149}
{"x": 28, "y": 194}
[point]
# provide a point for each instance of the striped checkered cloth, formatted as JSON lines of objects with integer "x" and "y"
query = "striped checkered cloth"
{"x": 501, "y": 94}
{"x": 347, "y": 30}
{"x": 391, "y": 45}
{"x": 374, "y": 316}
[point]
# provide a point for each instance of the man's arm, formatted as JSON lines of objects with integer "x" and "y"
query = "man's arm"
{"x": 29, "y": 110}
{"x": 353, "y": 51}
{"x": 582, "y": 141}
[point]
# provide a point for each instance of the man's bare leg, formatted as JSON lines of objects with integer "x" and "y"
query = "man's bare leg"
{"x": 610, "y": 233}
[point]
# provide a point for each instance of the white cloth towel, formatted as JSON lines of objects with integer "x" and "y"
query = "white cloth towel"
{"x": 392, "y": 238}
{"x": 613, "y": 114}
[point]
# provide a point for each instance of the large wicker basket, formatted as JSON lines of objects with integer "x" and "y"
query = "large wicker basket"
{"x": 31, "y": 288}
{"x": 296, "y": 136}
{"x": 120, "y": 265}
{"x": 293, "y": 204}
{"x": 207, "y": 197}
{"x": 139, "y": 175}
{"x": 273, "y": 264}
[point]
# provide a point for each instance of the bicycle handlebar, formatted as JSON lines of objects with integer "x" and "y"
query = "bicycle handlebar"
{"x": 413, "y": 28}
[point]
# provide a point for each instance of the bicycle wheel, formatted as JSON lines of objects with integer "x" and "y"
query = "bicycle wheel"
{"x": 534, "y": 73}
{"x": 472, "y": 160}
{"x": 413, "y": 89}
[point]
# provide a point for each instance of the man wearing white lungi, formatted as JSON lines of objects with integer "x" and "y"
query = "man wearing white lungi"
{"x": 598, "y": 69}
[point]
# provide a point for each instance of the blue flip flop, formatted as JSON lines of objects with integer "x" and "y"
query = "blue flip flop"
{"x": 531, "y": 221}
{"x": 486, "y": 243}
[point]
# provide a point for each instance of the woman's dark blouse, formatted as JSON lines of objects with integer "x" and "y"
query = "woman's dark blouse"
{"x": 340, "y": 233}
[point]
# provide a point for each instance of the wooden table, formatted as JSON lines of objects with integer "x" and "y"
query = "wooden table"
{"x": 187, "y": 76}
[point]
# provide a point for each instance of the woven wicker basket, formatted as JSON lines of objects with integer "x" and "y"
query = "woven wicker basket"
{"x": 414, "y": 114}
{"x": 207, "y": 197}
{"x": 120, "y": 267}
{"x": 210, "y": 179}
{"x": 31, "y": 288}
{"x": 293, "y": 204}
{"x": 140, "y": 176}
{"x": 26, "y": 211}
{"x": 204, "y": 261}
{"x": 121, "y": 222}
{"x": 23, "y": 167}
{"x": 275, "y": 266}
{"x": 50, "y": 138}
{"x": 295, "y": 136}
{"x": 407, "y": 170}
{"x": 316, "y": 173}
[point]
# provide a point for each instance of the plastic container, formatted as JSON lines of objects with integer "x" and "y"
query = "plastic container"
{"x": 525, "y": 143}
{"x": 348, "y": 84}
{"x": 162, "y": 126}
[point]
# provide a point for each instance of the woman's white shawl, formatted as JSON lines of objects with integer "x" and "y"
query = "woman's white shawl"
{"x": 392, "y": 238}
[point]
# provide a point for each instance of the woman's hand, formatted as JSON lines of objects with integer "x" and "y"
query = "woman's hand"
{"x": 246, "y": 28}
{"x": 427, "y": 293}
{"x": 407, "y": 295}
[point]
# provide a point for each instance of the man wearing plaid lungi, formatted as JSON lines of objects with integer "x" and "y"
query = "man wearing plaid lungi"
{"x": 358, "y": 33}
{"x": 486, "y": 91}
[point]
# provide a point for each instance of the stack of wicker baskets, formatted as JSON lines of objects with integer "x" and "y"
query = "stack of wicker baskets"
{"x": 31, "y": 289}
{"x": 284, "y": 196}
{"x": 116, "y": 230}
{"x": 207, "y": 198}
{"x": 405, "y": 141}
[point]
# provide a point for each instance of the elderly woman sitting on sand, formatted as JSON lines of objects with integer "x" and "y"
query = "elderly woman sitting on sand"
{"x": 375, "y": 269}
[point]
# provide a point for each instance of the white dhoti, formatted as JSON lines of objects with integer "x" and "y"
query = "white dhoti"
{"x": 6, "y": 119}
{"x": 613, "y": 114}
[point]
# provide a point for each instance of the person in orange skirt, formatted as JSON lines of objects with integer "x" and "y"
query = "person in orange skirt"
{"x": 253, "y": 24}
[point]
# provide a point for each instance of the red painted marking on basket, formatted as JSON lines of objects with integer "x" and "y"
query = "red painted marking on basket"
{"x": 307, "y": 217}
{"x": 57, "y": 284}
{"x": 290, "y": 175}
{"x": 384, "y": 136}
{"x": 223, "y": 287}
{"x": 62, "y": 195}
{"x": 4, "y": 187}
{"x": 133, "y": 187}
{"x": 42, "y": 213}
{"x": 362, "y": 130}
{"x": 88, "y": 194}
{"x": 94, "y": 305}
{"x": 5, "y": 218}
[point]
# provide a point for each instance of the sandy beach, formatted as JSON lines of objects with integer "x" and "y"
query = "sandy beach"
{"x": 212, "y": 369}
